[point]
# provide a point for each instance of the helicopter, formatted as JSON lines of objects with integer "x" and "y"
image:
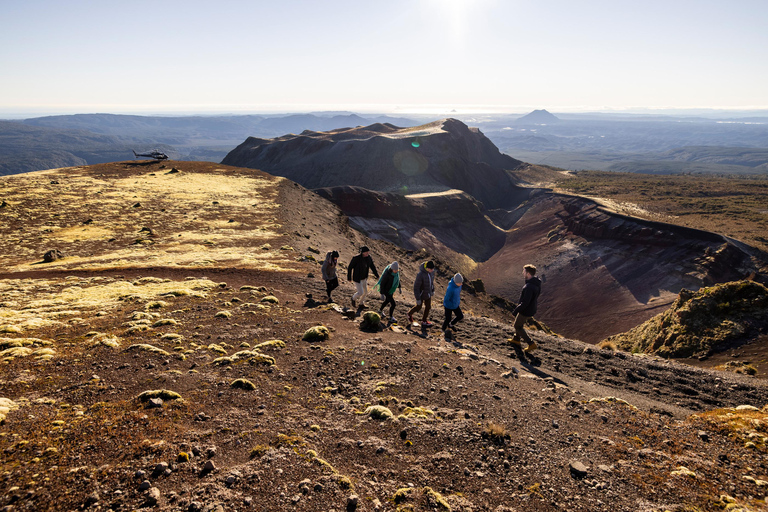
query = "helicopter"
{"x": 157, "y": 155}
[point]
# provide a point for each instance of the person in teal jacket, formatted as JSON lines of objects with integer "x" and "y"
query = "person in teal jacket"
{"x": 452, "y": 301}
{"x": 388, "y": 283}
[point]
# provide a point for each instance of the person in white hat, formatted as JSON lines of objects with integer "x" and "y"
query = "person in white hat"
{"x": 452, "y": 302}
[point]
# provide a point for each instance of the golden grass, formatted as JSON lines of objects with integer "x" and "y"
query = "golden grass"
{"x": 96, "y": 222}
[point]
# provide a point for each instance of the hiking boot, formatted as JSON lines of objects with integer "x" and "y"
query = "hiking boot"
{"x": 531, "y": 347}
{"x": 426, "y": 323}
{"x": 393, "y": 320}
{"x": 514, "y": 341}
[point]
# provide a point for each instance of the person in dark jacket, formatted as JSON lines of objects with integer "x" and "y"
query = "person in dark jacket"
{"x": 526, "y": 307}
{"x": 358, "y": 272}
{"x": 423, "y": 288}
{"x": 329, "y": 273}
{"x": 388, "y": 283}
{"x": 452, "y": 301}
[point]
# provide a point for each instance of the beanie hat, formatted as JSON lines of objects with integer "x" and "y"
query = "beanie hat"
{"x": 334, "y": 254}
{"x": 430, "y": 264}
{"x": 364, "y": 249}
{"x": 458, "y": 279}
{"x": 394, "y": 266}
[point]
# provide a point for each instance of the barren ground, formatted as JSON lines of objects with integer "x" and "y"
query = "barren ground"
{"x": 476, "y": 424}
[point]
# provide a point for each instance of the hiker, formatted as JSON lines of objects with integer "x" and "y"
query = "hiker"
{"x": 329, "y": 273}
{"x": 526, "y": 308}
{"x": 387, "y": 284}
{"x": 452, "y": 301}
{"x": 358, "y": 272}
{"x": 423, "y": 288}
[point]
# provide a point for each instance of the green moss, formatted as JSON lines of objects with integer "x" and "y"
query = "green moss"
{"x": 378, "y": 412}
{"x": 371, "y": 321}
{"x": 250, "y": 356}
{"x": 713, "y": 318}
{"x": 243, "y": 384}
{"x": 259, "y": 450}
{"x": 143, "y": 347}
{"x": 402, "y": 494}
{"x": 271, "y": 344}
{"x": 165, "y": 321}
{"x": 164, "y": 394}
{"x": 316, "y": 333}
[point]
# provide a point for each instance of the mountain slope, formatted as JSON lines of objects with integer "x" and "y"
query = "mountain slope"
{"x": 430, "y": 158}
{"x": 160, "y": 364}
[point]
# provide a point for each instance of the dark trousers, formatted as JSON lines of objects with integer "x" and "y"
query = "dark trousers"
{"x": 390, "y": 299}
{"x": 451, "y": 312}
{"x": 330, "y": 285}
{"x": 427, "y": 307}
{"x": 519, "y": 331}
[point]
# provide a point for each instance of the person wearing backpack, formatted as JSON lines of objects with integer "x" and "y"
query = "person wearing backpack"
{"x": 452, "y": 301}
{"x": 329, "y": 273}
{"x": 358, "y": 272}
{"x": 423, "y": 288}
{"x": 386, "y": 285}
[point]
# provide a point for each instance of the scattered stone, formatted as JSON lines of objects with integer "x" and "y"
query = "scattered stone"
{"x": 160, "y": 469}
{"x": 92, "y": 499}
{"x": 209, "y": 467}
{"x": 143, "y": 486}
{"x": 153, "y": 496}
{"x": 52, "y": 255}
{"x": 578, "y": 470}
{"x": 703, "y": 436}
{"x": 155, "y": 403}
{"x": 352, "y": 502}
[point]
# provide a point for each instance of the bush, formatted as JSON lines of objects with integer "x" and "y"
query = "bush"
{"x": 317, "y": 333}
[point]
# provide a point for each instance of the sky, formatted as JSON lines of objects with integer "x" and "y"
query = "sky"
{"x": 166, "y": 56}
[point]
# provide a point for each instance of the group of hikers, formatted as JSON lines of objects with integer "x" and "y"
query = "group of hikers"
{"x": 423, "y": 289}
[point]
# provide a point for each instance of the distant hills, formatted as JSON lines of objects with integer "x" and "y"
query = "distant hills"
{"x": 25, "y": 148}
{"x": 59, "y": 141}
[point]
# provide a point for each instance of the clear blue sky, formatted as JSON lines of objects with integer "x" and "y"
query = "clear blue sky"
{"x": 496, "y": 55}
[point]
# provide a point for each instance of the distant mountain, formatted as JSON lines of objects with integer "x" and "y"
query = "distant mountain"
{"x": 206, "y": 130}
{"x": 25, "y": 148}
{"x": 538, "y": 117}
{"x": 433, "y": 157}
{"x": 68, "y": 140}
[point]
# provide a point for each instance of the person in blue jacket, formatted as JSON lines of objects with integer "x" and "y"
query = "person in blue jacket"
{"x": 452, "y": 301}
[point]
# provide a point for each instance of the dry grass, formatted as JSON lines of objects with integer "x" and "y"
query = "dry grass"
{"x": 197, "y": 219}
{"x": 734, "y": 206}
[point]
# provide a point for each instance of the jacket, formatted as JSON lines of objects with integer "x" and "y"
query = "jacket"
{"x": 529, "y": 297}
{"x": 452, "y": 299}
{"x": 389, "y": 282}
{"x": 424, "y": 284}
{"x": 329, "y": 267}
{"x": 358, "y": 268}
